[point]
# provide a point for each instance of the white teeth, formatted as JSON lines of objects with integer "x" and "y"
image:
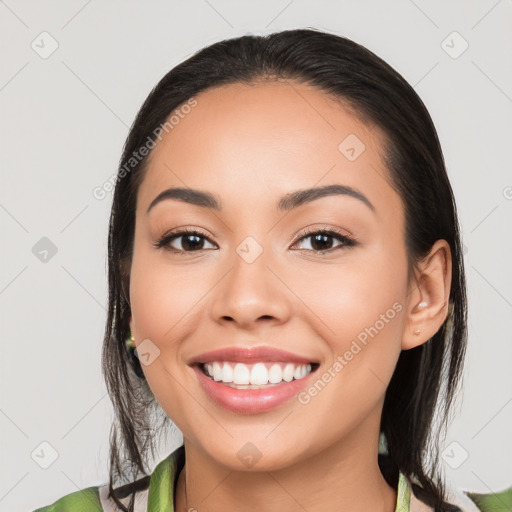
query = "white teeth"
{"x": 275, "y": 374}
{"x": 217, "y": 371}
{"x": 227, "y": 373}
{"x": 288, "y": 372}
{"x": 257, "y": 374}
{"x": 241, "y": 374}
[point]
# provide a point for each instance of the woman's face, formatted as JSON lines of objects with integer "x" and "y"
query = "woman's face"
{"x": 255, "y": 276}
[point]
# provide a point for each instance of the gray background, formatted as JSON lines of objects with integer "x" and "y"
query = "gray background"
{"x": 64, "y": 119}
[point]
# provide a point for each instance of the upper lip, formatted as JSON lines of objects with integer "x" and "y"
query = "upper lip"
{"x": 250, "y": 355}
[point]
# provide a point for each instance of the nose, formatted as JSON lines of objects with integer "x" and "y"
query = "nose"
{"x": 251, "y": 294}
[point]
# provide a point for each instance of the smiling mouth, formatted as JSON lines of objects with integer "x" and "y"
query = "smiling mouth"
{"x": 257, "y": 375}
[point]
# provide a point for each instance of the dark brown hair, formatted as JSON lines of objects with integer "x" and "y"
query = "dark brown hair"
{"x": 426, "y": 377}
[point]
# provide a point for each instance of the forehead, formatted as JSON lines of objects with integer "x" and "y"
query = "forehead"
{"x": 252, "y": 142}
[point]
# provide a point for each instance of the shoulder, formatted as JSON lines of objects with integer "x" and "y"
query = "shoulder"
{"x": 97, "y": 498}
{"x": 465, "y": 501}
{"x": 85, "y": 500}
{"x": 493, "y": 502}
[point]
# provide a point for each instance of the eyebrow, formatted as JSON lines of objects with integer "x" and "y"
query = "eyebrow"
{"x": 286, "y": 203}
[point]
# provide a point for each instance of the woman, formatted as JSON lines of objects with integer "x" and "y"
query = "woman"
{"x": 285, "y": 259}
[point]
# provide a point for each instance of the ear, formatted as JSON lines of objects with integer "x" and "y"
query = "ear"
{"x": 428, "y": 297}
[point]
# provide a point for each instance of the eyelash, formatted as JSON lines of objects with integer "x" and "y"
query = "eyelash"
{"x": 166, "y": 239}
{"x": 344, "y": 239}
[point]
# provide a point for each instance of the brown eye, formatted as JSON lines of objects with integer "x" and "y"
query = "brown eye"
{"x": 189, "y": 240}
{"x": 322, "y": 240}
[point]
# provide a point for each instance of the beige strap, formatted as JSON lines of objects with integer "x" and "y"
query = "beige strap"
{"x": 454, "y": 496}
{"x": 417, "y": 505}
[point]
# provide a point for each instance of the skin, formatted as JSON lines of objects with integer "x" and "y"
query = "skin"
{"x": 249, "y": 146}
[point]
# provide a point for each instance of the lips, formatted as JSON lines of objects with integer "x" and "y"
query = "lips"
{"x": 250, "y": 355}
{"x": 251, "y": 398}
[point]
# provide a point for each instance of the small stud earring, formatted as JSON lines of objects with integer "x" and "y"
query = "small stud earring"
{"x": 417, "y": 331}
{"x": 422, "y": 305}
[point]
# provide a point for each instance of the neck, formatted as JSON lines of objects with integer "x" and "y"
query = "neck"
{"x": 344, "y": 476}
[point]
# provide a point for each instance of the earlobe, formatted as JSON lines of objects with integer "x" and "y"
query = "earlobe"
{"x": 428, "y": 296}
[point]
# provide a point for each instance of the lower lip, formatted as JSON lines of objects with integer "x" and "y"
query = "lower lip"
{"x": 250, "y": 401}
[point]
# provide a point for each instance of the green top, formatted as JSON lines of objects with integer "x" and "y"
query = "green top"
{"x": 159, "y": 497}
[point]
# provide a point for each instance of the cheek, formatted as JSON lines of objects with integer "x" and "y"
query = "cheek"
{"x": 357, "y": 308}
{"x": 163, "y": 296}
{"x": 347, "y": 297}
{"x": 164, "y": 301}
